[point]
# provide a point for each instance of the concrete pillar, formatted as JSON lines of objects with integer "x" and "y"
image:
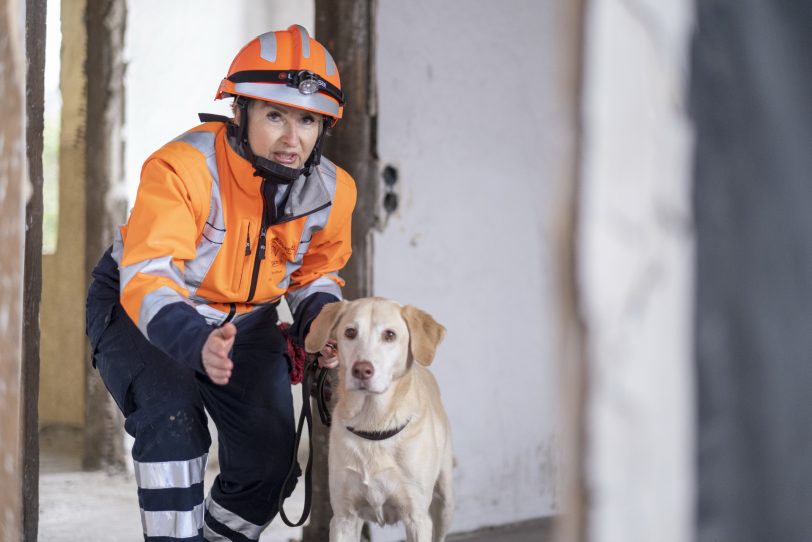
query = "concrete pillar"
{"x": 635, "y": 271}
{"x": 14, "y": 190}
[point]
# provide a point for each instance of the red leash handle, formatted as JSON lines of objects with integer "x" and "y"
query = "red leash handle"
{"x": 296, "y": 354}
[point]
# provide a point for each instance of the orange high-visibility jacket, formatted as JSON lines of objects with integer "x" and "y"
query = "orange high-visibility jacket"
{"x": 195, "y": 252}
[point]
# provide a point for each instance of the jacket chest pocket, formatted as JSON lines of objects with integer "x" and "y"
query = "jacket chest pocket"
{"x": 241, "y": 255}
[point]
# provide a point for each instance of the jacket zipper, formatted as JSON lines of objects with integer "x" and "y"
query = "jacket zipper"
{"x": 260, "y": 255}
{"x": 232, "y": 310}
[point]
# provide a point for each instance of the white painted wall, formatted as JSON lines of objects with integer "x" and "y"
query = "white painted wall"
{"x": 473, "y": 112}
{"x": 636, "y": 271}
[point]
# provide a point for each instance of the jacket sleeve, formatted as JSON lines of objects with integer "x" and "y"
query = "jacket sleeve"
{"x": 160, "y": 236}
{"x": 316, "y": 282}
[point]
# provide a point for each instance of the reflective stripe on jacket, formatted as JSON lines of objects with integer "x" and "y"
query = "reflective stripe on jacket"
{"x": 194, "y": 242}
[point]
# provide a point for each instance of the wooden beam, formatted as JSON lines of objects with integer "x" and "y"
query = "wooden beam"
{"x": 105, "y": 200}
{"x": 32, "y": 289}
{"x": 346, "y": 28}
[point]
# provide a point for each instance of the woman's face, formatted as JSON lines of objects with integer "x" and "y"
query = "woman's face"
{"x": 281, "y": 133}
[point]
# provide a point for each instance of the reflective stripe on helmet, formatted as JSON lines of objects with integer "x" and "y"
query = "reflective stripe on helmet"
{"x": 305, "y": 40}
{"x": 284, "y": 94}
{"x": 267, "y": 46}
{"x": 290, "y": 52}
{"x": 330, "y": 68}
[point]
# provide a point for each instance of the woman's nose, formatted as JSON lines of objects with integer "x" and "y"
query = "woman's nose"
{"x": 289, "y": 134}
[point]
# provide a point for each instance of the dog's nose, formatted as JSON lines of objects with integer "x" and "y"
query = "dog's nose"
{"x": 362, "y": 370}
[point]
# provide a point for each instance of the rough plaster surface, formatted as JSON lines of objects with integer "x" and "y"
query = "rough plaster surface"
{"x": 635, "y": 256}
{"x": 473, "y": 114}
{"x": 13, "y": 193}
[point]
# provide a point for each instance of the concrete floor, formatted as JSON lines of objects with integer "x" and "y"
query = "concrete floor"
{"x": 103, "y": 507}
{"x": 98, "y": 506}
{"x": 539, "y": 530}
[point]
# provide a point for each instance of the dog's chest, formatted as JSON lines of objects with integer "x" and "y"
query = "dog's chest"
{"x": 379, "y": 488}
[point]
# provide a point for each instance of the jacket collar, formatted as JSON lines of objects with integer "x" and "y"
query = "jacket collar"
{"x": 307, "y": 194}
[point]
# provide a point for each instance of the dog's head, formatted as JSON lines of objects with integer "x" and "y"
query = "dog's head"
{"x": 377, "y": 340}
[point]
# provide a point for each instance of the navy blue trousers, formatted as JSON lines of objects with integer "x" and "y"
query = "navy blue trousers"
{"x": 163, "y": 404}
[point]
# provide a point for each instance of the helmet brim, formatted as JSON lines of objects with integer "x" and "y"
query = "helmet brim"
{"x": 317, "y": 102}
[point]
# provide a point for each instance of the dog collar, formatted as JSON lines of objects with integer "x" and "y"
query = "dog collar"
{"x": 378, "y": 435}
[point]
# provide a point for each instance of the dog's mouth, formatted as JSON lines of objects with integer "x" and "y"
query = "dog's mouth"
{"x": 366, "y": 386}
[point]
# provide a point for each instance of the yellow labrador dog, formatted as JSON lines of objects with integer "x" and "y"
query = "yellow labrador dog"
{"x": 390, "y": 454}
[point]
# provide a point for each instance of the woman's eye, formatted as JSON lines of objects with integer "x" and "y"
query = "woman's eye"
{"x": 308, "y": 120}
{"x": 274, "y": 116}
{"x": 350, "y": 333}
{"x": 389, "y": 335}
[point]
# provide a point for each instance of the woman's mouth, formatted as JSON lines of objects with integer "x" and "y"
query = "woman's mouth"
{"x": 285, "y": 158}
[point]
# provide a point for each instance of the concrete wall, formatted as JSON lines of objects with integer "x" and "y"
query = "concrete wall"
{"x": 14, "y": 191}
{"x": 475, "y": 111}
{"x": 635, "y": 255}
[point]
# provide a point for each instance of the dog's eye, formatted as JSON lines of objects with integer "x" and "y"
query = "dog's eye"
{"x": 350, "y": 333}
{"x": 389, "y": 335}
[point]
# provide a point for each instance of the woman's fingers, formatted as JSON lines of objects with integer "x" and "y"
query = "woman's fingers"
{"x": 216, "y": 362}
{"x": 328, "y": 355}
{"x": 219, "y": 376}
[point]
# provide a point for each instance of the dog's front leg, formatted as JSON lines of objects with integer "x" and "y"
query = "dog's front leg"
{"x": 345, "y": 528}
{"x": 418, "y": 528}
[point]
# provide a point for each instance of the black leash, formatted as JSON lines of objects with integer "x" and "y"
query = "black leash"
{"x": 324, "y": 412}
{"x": 311, "y": 368}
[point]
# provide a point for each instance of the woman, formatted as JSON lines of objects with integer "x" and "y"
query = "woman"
{"x": 181, "y": 314}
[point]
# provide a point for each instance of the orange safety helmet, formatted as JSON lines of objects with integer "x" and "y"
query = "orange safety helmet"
{"x": 287, "y": 67}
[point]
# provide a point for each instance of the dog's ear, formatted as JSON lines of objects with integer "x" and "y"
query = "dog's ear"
{"x": 425, "y": 334}
{"x": 323, "y": 326}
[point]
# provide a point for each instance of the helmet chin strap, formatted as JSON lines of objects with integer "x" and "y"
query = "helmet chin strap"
{"x": 268, "y": 169}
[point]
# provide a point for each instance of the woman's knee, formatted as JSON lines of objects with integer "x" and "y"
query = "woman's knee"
{"x": 169, "y": 429}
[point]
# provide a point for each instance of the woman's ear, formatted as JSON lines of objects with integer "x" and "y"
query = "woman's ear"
{"x": 235, "y": 111}
{"x": 323, "y": 326}
{"x": 425, "y": 334}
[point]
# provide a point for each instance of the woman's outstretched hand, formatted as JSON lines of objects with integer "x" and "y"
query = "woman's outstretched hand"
{"x": 216, "y": 362}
